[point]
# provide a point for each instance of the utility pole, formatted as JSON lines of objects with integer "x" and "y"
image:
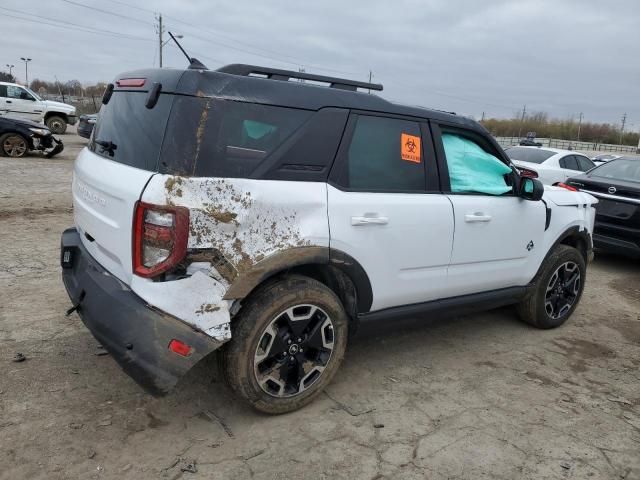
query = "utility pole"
{"x": 370, "y": 77}
{"x": 10, "y": 68}
{"x": 26, "y": 70}
{"x": 524, "y": 112}
{"x": 579, "y": 125}
{"x": 160, "y": 30}
{"x": 482, "y": 119}
{"x": 624, "y": 120}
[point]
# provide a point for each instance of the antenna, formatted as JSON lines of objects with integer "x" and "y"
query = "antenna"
{"x": 194, "y": 63}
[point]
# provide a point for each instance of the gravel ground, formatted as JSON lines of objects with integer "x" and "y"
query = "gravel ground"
{"x": 479, "y": 396}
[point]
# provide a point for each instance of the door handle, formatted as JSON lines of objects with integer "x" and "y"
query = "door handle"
{"x": 369, "y": 220}
{"x": 477, "y": 217}
{"x": 9, "y": 101}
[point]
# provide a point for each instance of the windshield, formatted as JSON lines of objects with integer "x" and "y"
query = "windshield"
{"x": 531, "y": 155}
{"x": 33, "y": 93}
{"x": 625, "y": 169}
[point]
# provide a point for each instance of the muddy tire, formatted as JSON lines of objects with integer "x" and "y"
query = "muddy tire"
{"x": 56, "y": 124}
{"x": 557, "y": 289}
{"x": 287, "y": 344}
{"x": 13, "y": 145}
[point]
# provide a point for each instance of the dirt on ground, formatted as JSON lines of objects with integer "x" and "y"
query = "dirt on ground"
{"x": 478, "y": 396}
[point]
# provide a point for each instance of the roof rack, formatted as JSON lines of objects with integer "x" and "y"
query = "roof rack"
{"x": 286, "y": 75}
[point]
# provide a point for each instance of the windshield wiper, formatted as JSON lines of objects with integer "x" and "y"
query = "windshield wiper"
{"x": 107, "y": 146}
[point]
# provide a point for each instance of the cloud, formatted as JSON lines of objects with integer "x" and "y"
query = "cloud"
{"x": 563, "y": 57}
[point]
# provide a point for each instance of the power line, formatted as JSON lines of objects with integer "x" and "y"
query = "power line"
{"x": 133, "y": 19}
{"x": 269, "y": 54}
{"x": 79, "y": 28}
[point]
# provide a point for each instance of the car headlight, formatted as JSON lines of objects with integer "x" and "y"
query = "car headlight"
{"x": 40, "y": 131}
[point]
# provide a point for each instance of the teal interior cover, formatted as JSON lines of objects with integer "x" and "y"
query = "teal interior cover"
{"x": 471, "y": 169}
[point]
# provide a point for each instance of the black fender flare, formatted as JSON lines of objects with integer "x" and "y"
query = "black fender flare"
{"x": 285, "y": 260}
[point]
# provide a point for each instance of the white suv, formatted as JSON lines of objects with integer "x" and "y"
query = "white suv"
{"x": 20, "y": 102}
{"x": 272, "y": 218}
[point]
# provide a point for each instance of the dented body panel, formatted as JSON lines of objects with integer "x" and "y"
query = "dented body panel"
{"x": 237, "y": 227}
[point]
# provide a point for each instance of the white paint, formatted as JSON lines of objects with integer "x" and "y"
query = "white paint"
{"x": 104, "y": 197}
{"x": 196, "y": 300}
{"x": 550, "y": 171}
{"x": 406, "y": 258}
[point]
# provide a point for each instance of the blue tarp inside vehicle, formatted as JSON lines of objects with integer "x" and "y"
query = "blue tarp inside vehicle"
{"x": 471, "y": 169}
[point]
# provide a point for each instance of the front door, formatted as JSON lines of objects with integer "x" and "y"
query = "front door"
{"x": 497, "y": 233}
{"x": 16, "y": 102}
{"x": 386, "y": 211}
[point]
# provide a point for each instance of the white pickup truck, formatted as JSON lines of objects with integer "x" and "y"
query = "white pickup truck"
{"x": 17, "y": 101}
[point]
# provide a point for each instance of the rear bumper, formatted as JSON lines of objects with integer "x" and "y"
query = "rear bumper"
{"x": 136, "y": 335}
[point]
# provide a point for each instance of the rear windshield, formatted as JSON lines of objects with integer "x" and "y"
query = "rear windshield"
{"x": 130, "y": 133}
{"x": 532, "y": 155}
{"x": 626, "y": 169}
{"x": 223, "y": 138}
{"x": 192, "y": 136}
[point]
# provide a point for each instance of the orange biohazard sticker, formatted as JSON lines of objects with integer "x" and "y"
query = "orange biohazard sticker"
{"x": 410, "y": 148}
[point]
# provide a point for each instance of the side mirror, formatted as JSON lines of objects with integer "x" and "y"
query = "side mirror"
{"x": 531, "y": 189}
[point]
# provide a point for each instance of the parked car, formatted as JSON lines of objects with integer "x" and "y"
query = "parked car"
{"x": 85, "y": 126}
{"x": 20, "y": 102}
{"x": 273, "y": 218}
{"x": 616, "y": 185}
{"x": 19, "y": 137}
{"x": 550, "y": 165}
{"x": 604, "y": 157}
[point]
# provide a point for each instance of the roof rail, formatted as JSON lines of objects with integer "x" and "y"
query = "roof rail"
{"x": 286, "y": 75}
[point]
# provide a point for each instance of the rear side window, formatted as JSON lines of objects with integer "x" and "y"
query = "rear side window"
{"x": 584, "y": 163}
{"x": 127, "y": 132}
{"x": 222, "y": 138}
{"x": 529, "y": 154}
{"x": 569, "y": 162}
{"x": 385, "y": 154}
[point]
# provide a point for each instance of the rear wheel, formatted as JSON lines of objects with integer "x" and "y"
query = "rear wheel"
{"x": 288, "y": 342}
{"x": 56, "y": 124}
{"x": 557, "y": 290}
{"x": 13, "y": 145}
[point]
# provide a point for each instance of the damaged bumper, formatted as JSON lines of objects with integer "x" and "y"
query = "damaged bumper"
{"x": 136, "y": 335}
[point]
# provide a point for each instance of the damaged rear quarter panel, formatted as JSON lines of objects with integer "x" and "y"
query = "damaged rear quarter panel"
{"x": 244, "y": 220}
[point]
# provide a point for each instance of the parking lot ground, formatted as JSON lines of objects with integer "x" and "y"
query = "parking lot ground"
{"x": 479, "y": 396}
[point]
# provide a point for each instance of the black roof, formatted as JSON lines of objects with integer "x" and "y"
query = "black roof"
{"x": 240, "y": 86}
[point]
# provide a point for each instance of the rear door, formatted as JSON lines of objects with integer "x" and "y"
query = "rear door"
{"x": 111, "y": 173}
{"x": 495, "y": 234}
{"x": 386, "y": 210}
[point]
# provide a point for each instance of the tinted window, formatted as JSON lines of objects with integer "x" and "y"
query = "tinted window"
{"x": 17, "y": 92}
{"x": 3, "y": 90}
{"x": 620, "y": 169}
{"x": 385, "y": 154}
{"x": 222, "y": 138}
{"x": 136, "y": 131}
{"x": 531, "y": 154}
{"x": 584, "y": 163}
{"x": 569, "y": 162}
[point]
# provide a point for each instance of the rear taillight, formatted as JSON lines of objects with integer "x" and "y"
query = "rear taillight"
{"x": 525, "y": 172}
{"x": 568, "y": 187}
{"x": 160, "y": 236}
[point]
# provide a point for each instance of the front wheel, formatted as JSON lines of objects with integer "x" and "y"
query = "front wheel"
{"x": 56, "y": 124}
{"x": 557, "y": 289}
{"x": 287, "y": 344}
{"x": 13, "y": 145}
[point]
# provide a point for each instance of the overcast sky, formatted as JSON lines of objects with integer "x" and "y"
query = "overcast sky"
{"x": 469, "y": 56}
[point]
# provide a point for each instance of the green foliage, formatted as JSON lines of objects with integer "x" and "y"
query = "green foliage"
{"x": 544, "y": 127}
